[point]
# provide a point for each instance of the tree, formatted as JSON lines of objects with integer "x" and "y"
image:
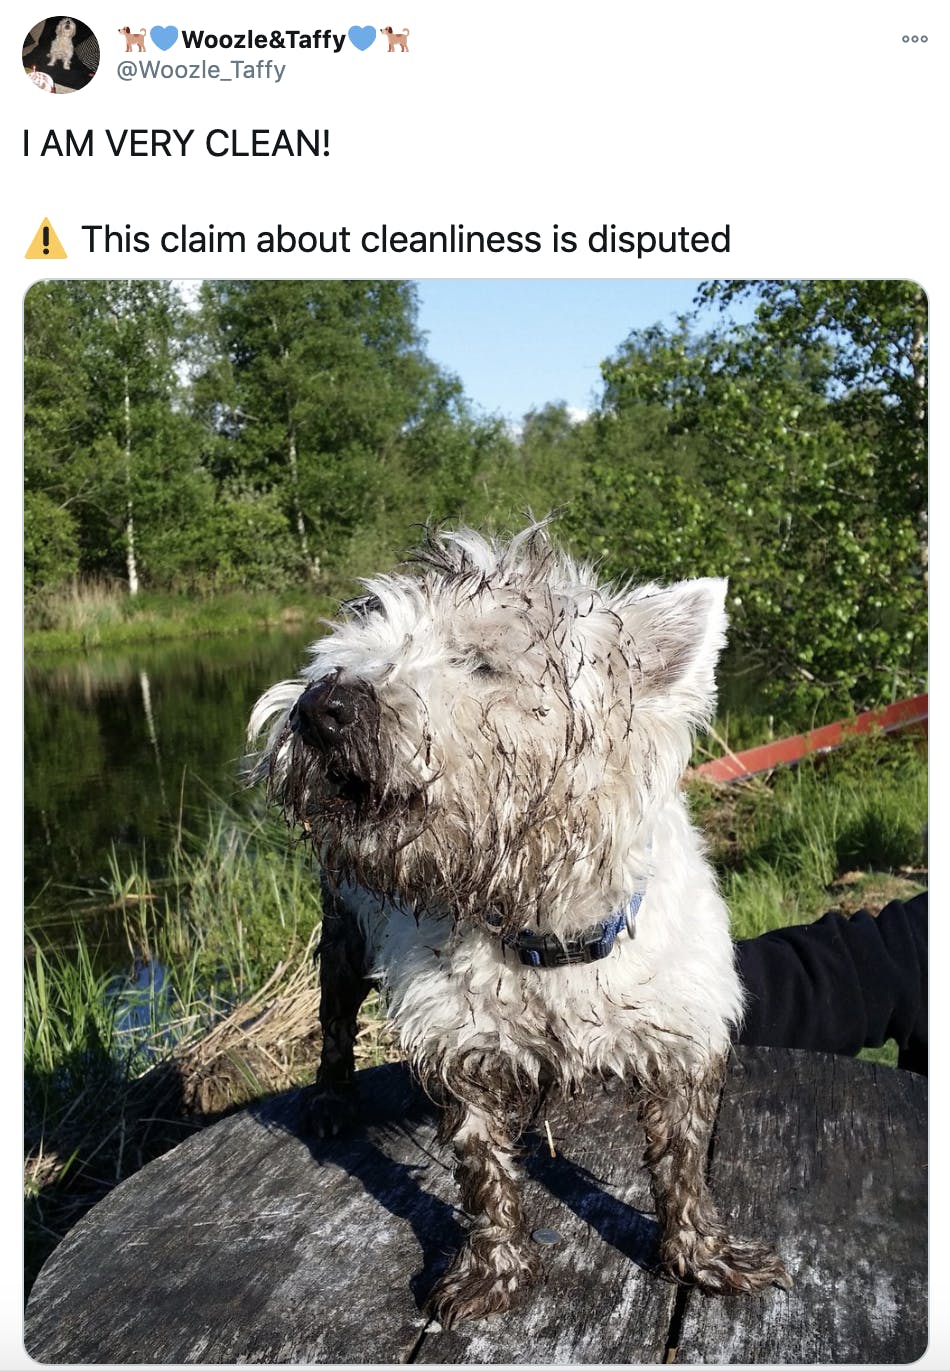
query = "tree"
{"x": 56, "y": 474}
{"x": 107, "y": 442}
{"x": 874, "y": 334}
{"x": 263, "y": 433}
{"x": 766, "y": 467}
{"x": 310, "y": 387}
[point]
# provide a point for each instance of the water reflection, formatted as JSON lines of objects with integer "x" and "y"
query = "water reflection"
{"x": 122, "y": 747}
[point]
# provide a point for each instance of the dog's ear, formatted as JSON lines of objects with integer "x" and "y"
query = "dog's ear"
{"x": 676, "y": 634}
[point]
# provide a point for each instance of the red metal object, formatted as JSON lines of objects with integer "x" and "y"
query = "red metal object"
{"x": 901, "y": 715}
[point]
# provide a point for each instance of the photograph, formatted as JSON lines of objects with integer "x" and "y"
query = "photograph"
{"x": 475, "y": 818}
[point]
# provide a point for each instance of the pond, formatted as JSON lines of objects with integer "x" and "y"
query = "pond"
{"x": 123, "y": 746}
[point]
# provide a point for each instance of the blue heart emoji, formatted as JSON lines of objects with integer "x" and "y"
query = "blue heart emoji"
{"x": 362, "y": 38}
{"x": 164, "y": 38}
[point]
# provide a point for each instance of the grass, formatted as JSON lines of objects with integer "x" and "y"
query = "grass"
{"x": 845, "y": 831}
{"x": 218, "y": 1002}
{"x": 218, "y": 1006}
{"x": 91, "y": 614}
{"x": 850, "y": 824}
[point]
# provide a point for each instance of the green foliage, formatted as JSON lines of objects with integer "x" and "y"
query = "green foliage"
{"x": 235, "y": 901}
{"x": 781, "y": 846}
{"x": 69, "y": 1022}
{"x": 269, "y": 434}
{"x": 542, "y": 472}
{"x": 765, "y": 453}
{"x": 873, "y": 335}
{"x": 238, "y": 900}
{"x": 110, "y": 1058}
{"x": 323, "y": 408}
{"x": 50, "y": 546}
{"x": 106, "y": 439}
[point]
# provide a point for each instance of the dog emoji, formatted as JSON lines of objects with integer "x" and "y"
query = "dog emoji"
{"x": 400, "y": 40}
{"x": 133, "y": 40}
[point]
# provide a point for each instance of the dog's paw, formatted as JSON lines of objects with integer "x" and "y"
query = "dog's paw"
{"x": 720, "y": 1263}
{"x": 326, "y": 1111}
{"x": 483, "y": 1283}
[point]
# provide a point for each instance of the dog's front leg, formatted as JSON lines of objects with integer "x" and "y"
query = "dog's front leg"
{"x": 696, "y": 1245}
{"x": 331, "y": 1103}
{"x": 498, "y": 1257}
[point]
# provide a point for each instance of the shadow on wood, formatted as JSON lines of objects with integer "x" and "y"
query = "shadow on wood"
{"x": 394, "y": 1117}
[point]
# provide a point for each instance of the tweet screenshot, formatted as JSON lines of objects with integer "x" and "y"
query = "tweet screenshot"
{"x": 471, "y": 548}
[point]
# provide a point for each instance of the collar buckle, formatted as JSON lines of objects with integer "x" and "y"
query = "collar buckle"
{"x": 546, "y": 950}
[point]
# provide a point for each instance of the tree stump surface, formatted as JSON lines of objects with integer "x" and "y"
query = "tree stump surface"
{"x": 253, "y": 1242}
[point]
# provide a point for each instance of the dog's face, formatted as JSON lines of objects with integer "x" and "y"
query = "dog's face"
{"x": 469, "y": 712}
{"x": 66, "y": 28}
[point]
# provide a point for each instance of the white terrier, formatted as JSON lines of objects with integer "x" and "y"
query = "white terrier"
{"x": 486, "y": 754}
{"x": 61, "y": 48}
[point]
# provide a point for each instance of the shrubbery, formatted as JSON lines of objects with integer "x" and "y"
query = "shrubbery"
{"x": 271, "y": 434}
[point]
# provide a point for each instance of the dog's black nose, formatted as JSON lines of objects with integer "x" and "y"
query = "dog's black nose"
{"x": 329, "y": 710}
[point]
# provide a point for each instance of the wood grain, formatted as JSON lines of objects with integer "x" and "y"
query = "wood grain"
{"x": 828, "y": 1157}
{"x": 252, "y": 1242}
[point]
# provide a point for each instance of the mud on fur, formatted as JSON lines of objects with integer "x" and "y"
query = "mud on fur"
{"x": 485, "y": 752}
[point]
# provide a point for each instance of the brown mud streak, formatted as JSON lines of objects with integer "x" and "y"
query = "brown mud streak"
{"x": 685, "y": 1291}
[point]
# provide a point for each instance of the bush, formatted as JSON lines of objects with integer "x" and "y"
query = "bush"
{"x": 50, "y": 546}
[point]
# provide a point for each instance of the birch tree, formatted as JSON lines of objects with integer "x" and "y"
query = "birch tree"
{"x": 107, "y": 440}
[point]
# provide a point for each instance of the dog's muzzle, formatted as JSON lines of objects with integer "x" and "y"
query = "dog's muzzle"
{"x": 331, "y": 714}
{"x": 337, "y": 766}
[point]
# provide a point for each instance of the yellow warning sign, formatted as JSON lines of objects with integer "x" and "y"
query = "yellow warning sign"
{"x": 45, "y": 246}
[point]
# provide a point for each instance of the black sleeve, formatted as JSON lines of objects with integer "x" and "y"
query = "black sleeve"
{"x": 840, "y": 984}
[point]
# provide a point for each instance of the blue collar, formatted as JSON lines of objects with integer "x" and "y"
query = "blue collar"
{"x": 592, "y": 944}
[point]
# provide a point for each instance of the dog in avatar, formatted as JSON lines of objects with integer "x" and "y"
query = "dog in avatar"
{"x": 61, "y": 48}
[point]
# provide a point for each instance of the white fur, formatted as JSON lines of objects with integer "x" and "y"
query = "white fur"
{"x": 512, "y": 682}
{"x": 61, "y": 48}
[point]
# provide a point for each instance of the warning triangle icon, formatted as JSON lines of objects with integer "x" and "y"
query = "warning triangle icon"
{"x": 45, "y": 247}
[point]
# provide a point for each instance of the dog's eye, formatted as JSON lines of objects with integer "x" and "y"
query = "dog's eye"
{"x": 471, "y": 664}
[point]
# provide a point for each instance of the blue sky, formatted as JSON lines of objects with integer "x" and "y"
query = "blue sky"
{"x": 517, "y": 344}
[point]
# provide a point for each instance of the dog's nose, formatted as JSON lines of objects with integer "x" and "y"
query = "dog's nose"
{"x": 327, "y": 711}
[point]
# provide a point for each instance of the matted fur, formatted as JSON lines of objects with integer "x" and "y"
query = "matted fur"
{"x": 491, "y": 740}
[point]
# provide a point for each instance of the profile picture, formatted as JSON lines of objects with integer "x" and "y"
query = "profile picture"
{"x": 60, "y": 54}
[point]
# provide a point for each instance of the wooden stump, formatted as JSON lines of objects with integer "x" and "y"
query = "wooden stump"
{"x": 252, "y": 1242}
